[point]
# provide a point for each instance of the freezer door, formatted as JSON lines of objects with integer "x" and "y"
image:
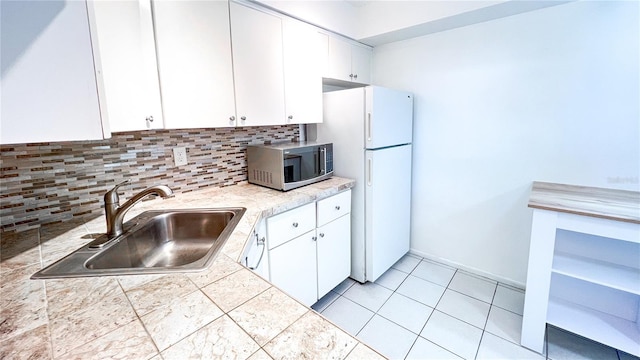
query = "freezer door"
{"x": 387, "y": 208}
{"x": 388, "y": 117}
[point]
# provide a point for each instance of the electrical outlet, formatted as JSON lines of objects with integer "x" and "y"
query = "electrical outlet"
{"x": 180, "y": 156}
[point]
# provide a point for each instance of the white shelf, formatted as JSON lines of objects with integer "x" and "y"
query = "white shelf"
{"x": 598, "y": 272}
{"x": 610, "y": 330}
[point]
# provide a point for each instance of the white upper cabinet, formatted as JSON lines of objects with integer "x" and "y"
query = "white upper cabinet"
{"x": 48, "y": 86}
{"x": 361, "y": 63}
{"x": 348, "y": 61}
{"x": 338, "y": 59}
{"x": 256, "y": 39}
{"x": 302, "y": 72}
{"x": 125, "y": 61}
{"x": 193, "y": 42}
{"x": 86, "y": 69}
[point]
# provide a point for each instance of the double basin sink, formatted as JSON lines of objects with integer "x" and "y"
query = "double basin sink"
{"x": 153, "y": 242}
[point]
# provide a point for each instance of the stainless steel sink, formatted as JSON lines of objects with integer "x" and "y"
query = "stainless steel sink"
{"x": 153, "y": 242}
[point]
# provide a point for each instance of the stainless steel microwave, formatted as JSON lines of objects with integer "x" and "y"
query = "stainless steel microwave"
{"x": 286, "y": 166}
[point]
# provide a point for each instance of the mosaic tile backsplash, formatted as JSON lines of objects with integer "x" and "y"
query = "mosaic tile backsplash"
{"x": 44, "y": 183}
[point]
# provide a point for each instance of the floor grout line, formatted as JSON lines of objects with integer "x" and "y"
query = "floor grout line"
{"x": 483, "y": 330}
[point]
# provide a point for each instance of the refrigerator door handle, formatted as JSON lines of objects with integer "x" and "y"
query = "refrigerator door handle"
{"x": 369, "y": 165}
{"x": 368, "y": 126}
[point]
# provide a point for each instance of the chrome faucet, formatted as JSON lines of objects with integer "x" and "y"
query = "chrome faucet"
{"x": 115, "y": 213}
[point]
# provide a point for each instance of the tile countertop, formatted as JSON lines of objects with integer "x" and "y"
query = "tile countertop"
{"x": 225, "y": 311}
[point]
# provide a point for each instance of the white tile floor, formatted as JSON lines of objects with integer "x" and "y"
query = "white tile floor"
{"x": 420, "y": 309}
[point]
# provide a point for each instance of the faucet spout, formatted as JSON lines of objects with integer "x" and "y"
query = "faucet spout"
{"x": 114, "y": 212}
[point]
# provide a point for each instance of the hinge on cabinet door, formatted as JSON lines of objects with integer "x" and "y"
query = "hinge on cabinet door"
{"x": 259, "y": 242}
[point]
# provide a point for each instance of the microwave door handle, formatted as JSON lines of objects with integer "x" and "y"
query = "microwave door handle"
{"x": 323, "y": 163}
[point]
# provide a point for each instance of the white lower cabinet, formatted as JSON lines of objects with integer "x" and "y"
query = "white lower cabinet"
{"x": 333, "y": 249}
{"x": 294, "y": 267}
{"x": 308, "y": 248}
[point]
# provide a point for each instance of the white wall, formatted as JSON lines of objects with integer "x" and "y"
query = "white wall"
{"x": 550, "y": 95}
{"x": 379, "y": 17}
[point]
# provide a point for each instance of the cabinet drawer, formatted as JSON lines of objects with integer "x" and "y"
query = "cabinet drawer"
{"x": 333, "y": 207}
{"x": 288, "y": 225}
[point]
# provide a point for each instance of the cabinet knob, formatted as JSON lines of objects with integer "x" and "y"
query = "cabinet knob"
{"x": 355, "y": 76}
{"x": 295, "y": 224}
{"x": 232, "y": 118}
{"x": 243, "y": 118}
{"x": 351, "y": 76}
{"x": 314, "y": 238}
{"x": 149, "y": 119}
{"x": 290, "y": 117}
{"x": 337, "y": 207}
{"x": 322, "y": 235}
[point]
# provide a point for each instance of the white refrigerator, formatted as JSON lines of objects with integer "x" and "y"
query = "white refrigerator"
{"x": 371, "y": 131}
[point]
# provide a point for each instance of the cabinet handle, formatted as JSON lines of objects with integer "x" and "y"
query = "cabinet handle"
{"x": 368, "y": 126}
{"x": 295, "y": 224}
{"x": 243, "y": 118}
{"x": 321, "y": 235}
{"x": 337, "y": 207}
{"x": 232, "y": 118}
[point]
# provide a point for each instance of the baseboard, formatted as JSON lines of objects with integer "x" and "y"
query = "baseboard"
{"x": 481, "y": 273}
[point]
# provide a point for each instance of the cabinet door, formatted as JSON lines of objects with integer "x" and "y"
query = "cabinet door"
{"x": 302, "y": 73}
{"x": 257, "y": 66}
{"x": 349, "y": 61}
{"x": 333, "y": 253}
{"x": 323, "y": 49}
{"x": 126, "y": 67}
{"x": 361, "y": 64}
{"x": 339, "y": 63}
{"x": 293, "y": 268}
{"x": 48, "y": 81}
{"x": 255, "y": 254}
{"x": 193, "y": 42}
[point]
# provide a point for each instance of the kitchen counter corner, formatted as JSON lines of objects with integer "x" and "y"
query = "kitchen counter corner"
{"x": 223, "y": 311}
